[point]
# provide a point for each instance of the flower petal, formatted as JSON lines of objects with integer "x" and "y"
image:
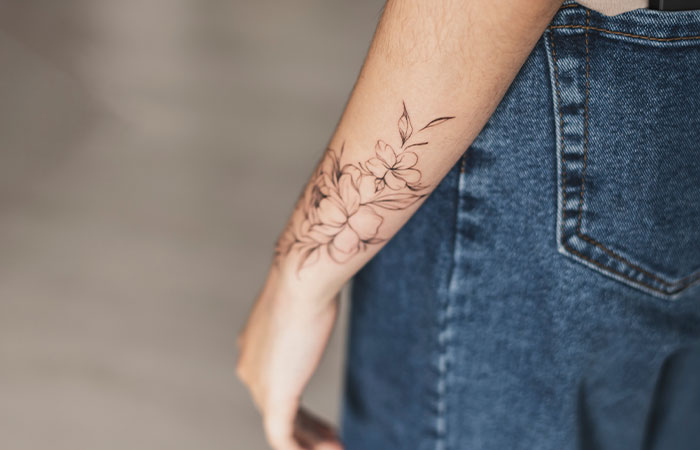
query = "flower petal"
{"x": 312, "y": 216}
{"x": 348, "y": 194}
{"x": 331, "y": 213}
{"x": 325, "y": 182}
{"x": 335, "y": 197}
{"x": 367, "y": 188}
{"x": 338, "y": 256}
{"x": 323, "y": 234}
{"x": 344, "y": 245}
{"x": 365, "y": 222}
{"x": 377, "y": 167}
{"x": 353, "y": 171}
{"x": 409, "y": 175}
{"x": 385, "y": 153}
{"x": 406, "y": 160}
{"x": 304, "y": 227}
{"x": 379, "y": 185}
{"x": 394, "y": 182}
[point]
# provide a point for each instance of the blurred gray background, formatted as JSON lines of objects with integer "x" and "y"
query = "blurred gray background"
{"x": 150, "y": 151}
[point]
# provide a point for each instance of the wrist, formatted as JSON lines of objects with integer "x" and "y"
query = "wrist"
{"x": 284, "y": 281}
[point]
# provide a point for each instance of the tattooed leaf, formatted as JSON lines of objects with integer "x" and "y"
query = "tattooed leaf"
{"x": 405, "y": 127}
{"x": 416, "y": 145}
{"x": 397, "y": 201}
{"x": 308, "y": 256}
{"x": 437, "y": 121}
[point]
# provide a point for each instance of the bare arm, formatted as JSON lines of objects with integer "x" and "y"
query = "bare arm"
{"x": 433, "y": 76}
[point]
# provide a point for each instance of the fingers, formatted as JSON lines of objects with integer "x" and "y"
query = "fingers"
{"x": 314, "y": 433}
{"x": 299, "y": 430}
{"x": 278, "y": 422}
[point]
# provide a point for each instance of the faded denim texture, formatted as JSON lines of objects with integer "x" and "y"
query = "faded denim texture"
{"x": 548, "y": 291}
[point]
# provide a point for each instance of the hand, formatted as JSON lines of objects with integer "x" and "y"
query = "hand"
{"x": 279, "y": 350}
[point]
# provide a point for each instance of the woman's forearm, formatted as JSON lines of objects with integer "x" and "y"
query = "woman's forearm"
{"x": 434, "y": 74}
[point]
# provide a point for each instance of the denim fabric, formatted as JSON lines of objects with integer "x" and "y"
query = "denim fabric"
{"x": 538, "y": 297}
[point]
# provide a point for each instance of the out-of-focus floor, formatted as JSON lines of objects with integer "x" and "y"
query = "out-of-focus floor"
{"x": 149, "y": 153}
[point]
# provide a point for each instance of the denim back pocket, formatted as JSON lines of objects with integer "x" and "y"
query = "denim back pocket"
{"x": 626, "y": 95}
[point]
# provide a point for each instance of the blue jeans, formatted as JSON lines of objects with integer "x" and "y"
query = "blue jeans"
{"x": 538, "y": 297}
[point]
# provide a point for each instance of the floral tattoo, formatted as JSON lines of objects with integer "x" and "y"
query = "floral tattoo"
{"x": 342, "y": 207}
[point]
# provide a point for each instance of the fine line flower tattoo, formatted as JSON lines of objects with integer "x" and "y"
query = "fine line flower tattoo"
{"x": 341, "y": 208}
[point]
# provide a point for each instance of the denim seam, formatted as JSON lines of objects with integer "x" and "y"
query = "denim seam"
{"x": 445, "y": 334}
{"x": 562, "y": 142}
{"x": 620, "y": 33}
{"x": 585, "y": 127}
{"x": 562, "y": 237}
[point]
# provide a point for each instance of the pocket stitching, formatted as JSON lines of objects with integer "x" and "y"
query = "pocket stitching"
{"x": 672, "y": 287}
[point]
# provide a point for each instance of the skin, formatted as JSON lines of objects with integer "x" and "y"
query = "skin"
{"x": 443, "y": 58}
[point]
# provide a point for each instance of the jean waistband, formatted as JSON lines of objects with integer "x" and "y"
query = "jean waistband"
{"x": 680, "y": 26}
